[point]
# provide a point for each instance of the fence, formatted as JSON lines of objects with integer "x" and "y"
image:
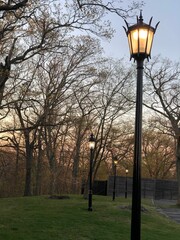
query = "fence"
{"x": 150, "y": 188}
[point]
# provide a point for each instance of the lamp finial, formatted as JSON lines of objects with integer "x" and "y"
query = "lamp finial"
{"x": 140, "y": 16}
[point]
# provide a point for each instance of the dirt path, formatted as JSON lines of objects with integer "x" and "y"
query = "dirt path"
{"x": 169, "y": 209}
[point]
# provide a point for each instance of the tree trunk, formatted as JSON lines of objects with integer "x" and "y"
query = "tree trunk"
{"x": 4, "y": 75}
{"x": 39, "y": 171}
{"x": 29, "y": 156}
{"x": 16, "y": 172}
{"x": 178, "y": 167}
{"x": 53, "y": 172}
{"x": 52, "y": 186}
{"x": 75, "y": 170}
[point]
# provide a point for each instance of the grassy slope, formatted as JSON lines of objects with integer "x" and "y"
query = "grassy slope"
{"x": 41, "y": 218}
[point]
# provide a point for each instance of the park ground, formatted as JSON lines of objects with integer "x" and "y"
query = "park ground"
{"x": 44, "y": 218}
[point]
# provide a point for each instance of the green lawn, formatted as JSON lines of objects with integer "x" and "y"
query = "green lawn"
{"x": 41, "y": 218}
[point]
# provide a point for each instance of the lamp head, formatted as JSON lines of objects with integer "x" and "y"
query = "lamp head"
{"x": 115, "y": 160}
{"x": 91, "y": 141}
{"x": 140, "y": 38}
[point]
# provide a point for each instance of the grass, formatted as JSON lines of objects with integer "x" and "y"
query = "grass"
{"x": 41, "y": 218}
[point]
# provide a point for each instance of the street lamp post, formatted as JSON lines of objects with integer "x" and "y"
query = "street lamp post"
{"x": 114, "y": 184}
{"x": 126, "y": 183}
{"x": 140, "y": 38}
{"x": 91, "y": 146}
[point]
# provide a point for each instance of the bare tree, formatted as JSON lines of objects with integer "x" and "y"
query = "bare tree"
{"x": 164, "y": 98}
{"x": 158, "y": 155}
{"x": 112, "y": 104}
{"x": 110, "y": 6}
{"x": 82, "y": 121}
{"x": 31, "y": 27}
{"x": 29, "y": 32}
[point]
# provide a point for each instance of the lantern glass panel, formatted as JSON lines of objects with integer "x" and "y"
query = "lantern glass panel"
{"x": 142, "y": 34}
{"x": 133, "y": 40}
{"x": 140, "y": 40}
{"x": 130, "y": 45}
{"x": 91, "y": 144}
{"x": 150, "y": 40}
{"x": 115, "y": 162}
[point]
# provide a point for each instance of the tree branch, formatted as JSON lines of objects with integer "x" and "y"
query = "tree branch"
{"x": 10, "y": 7}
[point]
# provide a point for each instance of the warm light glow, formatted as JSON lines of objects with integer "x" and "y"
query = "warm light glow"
{"x": 140, "y": 40}
{"x": 115, "y": 162}
{"x": 91, "y": 144}
{"x": 127, "y": 170}
{"x": 150, "y": 40}
{"x": 142, "y": 33}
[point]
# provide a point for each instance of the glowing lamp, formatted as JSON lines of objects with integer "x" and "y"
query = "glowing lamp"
{"x": 140, "y": 38}
{"x": 91, "y": 141}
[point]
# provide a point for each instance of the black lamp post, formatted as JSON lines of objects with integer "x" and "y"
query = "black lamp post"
{"x": 140, "y": 38}
{"x": 91, "y": 146}
{"x": 114, "y": 184}
{"x": 126, "y": 183}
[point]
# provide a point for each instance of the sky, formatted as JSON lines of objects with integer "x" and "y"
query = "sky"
{"x": 167, "y": 36}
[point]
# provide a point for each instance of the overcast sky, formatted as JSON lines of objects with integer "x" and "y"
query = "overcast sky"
{"x": 167, "y": 37}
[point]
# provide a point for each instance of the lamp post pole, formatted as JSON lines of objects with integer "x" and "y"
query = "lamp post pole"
{"x": 136, "y": 196}
{"x": 140, "y": 38}
{"x": 126, "y": 183}
{"x": 91, "y": 146}
{"x": 114, "y": 184}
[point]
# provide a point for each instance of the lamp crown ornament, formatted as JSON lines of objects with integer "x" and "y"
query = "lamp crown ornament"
{"x": 140, "y": 19}
{"x": 140, "y": 38}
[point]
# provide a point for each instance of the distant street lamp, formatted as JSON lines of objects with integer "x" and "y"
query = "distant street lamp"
{"x": 140, "y": 38}
{"x": 126, "y": 183}
{"x": 115, "y": 161}
{"x": 91, "y": 146}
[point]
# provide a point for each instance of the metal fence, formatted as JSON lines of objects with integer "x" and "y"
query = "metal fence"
{"x": 150, "y": 188}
